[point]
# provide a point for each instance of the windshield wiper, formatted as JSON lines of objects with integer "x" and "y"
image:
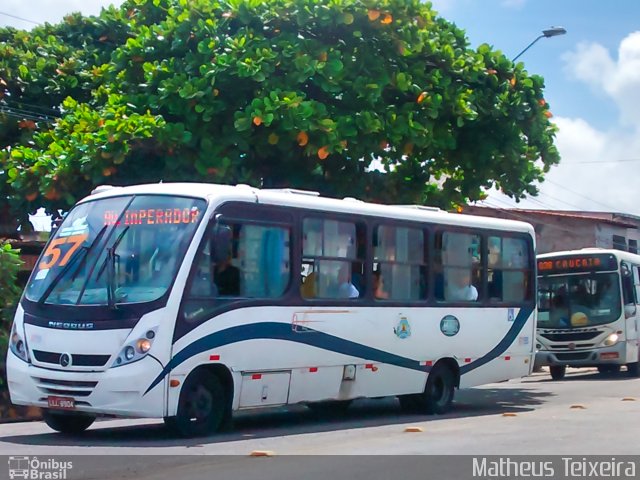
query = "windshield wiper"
{"x": 110, "y": 264}
{"x": 70, "y": 263}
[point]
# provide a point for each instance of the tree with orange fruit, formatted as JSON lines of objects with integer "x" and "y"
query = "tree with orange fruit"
{"x": 383, "y": 100}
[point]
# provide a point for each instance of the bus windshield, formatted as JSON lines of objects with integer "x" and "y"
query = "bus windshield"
{"x": 572, "y": 301}
{"x": 116, "y": 251}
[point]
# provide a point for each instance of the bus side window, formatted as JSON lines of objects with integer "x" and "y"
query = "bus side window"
{"x": 257, "y": 265}
{"x": 628, "y": 291}
{"x": 508, "y": 273}
{"x": 333, "y": 259}
{"x": 400, "y": 263}
{"x": 636, "y": 282}
{"x": 460, "y": 265}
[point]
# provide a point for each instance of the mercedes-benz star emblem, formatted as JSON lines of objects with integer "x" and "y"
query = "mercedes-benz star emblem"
{"x": 65, "y": 359}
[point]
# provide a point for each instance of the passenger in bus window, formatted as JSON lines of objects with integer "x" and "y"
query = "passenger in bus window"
{"x": 378, "y": 286}
{"x": 346, "y": 288}
{"x": 227, "y": 278}
{"x": 308, "y": 289}
{"x": 459, "y": 286}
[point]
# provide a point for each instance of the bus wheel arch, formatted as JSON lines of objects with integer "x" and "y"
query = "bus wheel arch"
{"x": 204, "y": 402}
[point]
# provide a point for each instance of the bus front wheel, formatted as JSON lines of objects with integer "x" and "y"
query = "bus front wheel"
{"x": 558, "y": 371}
{"x": 67, "y": 423}
{"x": 203, "y": 407}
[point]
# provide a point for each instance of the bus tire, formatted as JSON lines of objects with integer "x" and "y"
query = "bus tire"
{"x": 440, "y": 389}
{"x": 558, "y": 371}
{"x": 438, "y": 393}
{"x": 203, "y": 406}
{"x": 633, "y": 369}
{"x": 67, "y": 423}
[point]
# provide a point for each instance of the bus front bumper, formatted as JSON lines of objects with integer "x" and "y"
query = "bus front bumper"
{"x": 117, "y": 391}
{"x": 613, "y": 355}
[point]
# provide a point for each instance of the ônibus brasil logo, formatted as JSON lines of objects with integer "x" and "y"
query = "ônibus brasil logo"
{"x": 32, "y": 468}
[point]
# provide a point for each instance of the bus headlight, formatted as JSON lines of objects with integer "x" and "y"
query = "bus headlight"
{"x": 143, "y": 345}
{"x": 611, "y": 339}
{"x": 136, "y": 350}
{"x": 129, "y": 353}
{"x": 18, "y": 345}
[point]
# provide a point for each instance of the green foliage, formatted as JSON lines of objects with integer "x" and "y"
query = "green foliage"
{"x": 9, "y": 267}
{"x": 9, "y": 292}
{"x": 304, "y": 93}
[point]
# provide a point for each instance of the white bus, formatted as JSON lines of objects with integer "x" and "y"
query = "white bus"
{"x": 588, "y": 311}
{"x": 190, "y": 301}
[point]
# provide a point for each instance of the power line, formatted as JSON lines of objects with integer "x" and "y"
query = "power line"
{"x": 22, "y": 115}
{"x": 19, "y": 18}
{"x": 20, "y": 104}
{"x": 581, "y": 195}
{"x": 24, "y": 111}
{"x": 586, "y": 162}
{"x": 562, "y": 202}
{"x": 541, "y": 203}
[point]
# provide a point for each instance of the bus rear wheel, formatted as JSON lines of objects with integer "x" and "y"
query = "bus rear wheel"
{"x": 437, "y": 397}
{"x": 67, "y": 423}
{"x": 203, "y": 407}
{"x": 558, "y": 371}
{"x": 438, "y": 394}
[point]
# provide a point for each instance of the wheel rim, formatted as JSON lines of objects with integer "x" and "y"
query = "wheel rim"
{"x": 199, "y": 404}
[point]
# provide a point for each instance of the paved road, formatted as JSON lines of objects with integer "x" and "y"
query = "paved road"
{"x": 585, "y": 414}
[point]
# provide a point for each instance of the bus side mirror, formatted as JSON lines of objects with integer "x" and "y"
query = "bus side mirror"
{"x": 630, "y": 310}
{"x": 221, "y": 247}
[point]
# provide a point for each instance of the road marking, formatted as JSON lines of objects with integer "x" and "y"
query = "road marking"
{"x": 262, "y": 453}
{"x": 414, "y": 429}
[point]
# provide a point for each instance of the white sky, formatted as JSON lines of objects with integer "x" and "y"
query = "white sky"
{"x": 592, "y": 175}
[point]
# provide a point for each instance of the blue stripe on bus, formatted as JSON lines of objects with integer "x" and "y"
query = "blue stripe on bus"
{"x": 518, "y": 324}
{"x": 285, "y": 331}
{"x": 315, "y": 338}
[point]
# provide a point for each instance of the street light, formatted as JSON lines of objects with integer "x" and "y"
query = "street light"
{"x": 548, "y": 33}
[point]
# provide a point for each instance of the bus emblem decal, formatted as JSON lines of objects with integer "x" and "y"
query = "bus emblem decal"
{"x": 449, "y": 325}
{"x": 403, "y": 329}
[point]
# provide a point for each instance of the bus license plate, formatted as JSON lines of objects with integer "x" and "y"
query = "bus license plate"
{"x": 61, "y": 403}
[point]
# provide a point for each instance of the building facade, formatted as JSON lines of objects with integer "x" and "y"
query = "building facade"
{"x": 569, "y": 230}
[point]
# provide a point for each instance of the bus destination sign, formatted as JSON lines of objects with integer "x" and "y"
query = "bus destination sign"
{"x": 577, "y": 263}
{"x": 151, "y": 216}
